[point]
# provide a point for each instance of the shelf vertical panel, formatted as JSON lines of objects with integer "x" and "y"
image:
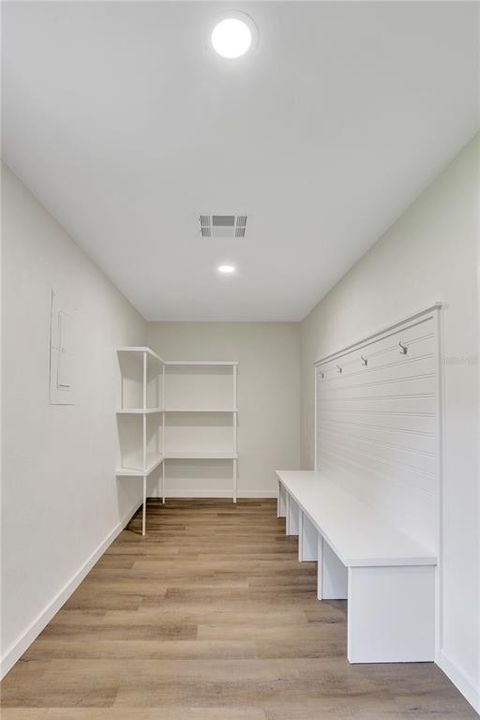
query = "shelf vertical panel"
{"x": 139, "y": 433}
{"x": 235, "y": 432}
{"x": 131, "y": 380}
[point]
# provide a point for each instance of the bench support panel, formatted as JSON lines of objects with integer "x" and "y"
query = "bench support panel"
{"x": 307, "y": 539}
{"x": 391, "y": 614}
{"x": 332, "y": 575}
{"x": 293, "y": 515}
{"x": 281, "y": 501}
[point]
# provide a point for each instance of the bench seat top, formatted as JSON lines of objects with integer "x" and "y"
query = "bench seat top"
{"x": 357, "y": 533}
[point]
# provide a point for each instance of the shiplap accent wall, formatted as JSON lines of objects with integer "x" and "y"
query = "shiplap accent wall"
{"x": 378, "y": 422}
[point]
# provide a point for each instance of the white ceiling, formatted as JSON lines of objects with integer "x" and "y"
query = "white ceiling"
{"x": 125, "y": 124}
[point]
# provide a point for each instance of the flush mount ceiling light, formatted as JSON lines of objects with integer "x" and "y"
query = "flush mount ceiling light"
{"x": 226, "y": 269}
{"x": 233, "y": 36}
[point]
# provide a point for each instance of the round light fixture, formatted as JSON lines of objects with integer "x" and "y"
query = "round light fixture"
{"x": 232, "y": 37}
{"x": 226, "y": 269}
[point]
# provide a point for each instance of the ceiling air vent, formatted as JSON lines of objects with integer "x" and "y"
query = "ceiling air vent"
{"x": 224, "y": 226}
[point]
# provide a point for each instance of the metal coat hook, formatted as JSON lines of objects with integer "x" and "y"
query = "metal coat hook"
{"x": 403, "y": 348}
{"x": 339, "y": 369}
{"x": 364, "y": 360}
{"x": 322, "y": 374}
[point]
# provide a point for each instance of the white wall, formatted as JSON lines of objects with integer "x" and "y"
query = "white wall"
{"x": 61, "y": 500}
{"x": 429, "y": 254}
{"x": 268, "y": 392}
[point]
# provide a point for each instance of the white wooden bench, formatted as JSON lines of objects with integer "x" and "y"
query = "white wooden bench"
{"x": 387, "y": 577}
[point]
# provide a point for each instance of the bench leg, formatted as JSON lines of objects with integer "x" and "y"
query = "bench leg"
{"x": 391, "y": 614}
{"x": 332, "y": 575}
{"x": 307, "y": 539}
{"x": 281, "y": 501}
{"x": 292, "y": 516}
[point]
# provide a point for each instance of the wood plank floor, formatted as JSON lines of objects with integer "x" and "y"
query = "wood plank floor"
{"x": 210, "y": 617}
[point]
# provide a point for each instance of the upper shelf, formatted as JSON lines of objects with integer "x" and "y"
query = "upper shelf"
{"x": 138, "y": 411}
{"x": 201, "y": 410}
{"x": 140, "y": 350}
{"x": 201, "y": 362}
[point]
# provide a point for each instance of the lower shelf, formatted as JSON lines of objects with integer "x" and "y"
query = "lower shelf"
{"x": 157, "y": 460}
{"x": 152, "y": 463}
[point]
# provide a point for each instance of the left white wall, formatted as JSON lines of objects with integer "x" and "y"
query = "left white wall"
{"x": 61, "y": 502}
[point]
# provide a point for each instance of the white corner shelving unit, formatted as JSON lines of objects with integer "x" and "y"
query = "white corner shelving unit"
{"x": 140, "y": 415}
{"x": 172, "y": 410}
{"x": 200, "y": 422}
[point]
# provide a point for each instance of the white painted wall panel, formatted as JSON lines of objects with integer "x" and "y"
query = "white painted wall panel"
{"x": 374, "y": 387}
{"x": 199, "y": 387}
{"x": 203, "y": 432}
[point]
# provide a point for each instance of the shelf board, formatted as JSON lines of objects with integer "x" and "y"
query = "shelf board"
{"x": 140, "y": 350}
{"x": 152, "y": 463}
{"x": 213, "y": 363}
{"x": 201, "y": 410}
{"x": 153, "y": 411}
{"x": 199, "y": 455}
{"x": 138, "y": 411}
{"x": 157, "y": 460}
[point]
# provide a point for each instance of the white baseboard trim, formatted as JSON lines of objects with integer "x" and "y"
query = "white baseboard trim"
{"x": 467, "y": 686}
{"x": 215, "y": 494}
{"x": 21, "y": 644}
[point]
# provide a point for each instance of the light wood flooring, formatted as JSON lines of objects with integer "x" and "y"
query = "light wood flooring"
{"x": 210, "y": 617}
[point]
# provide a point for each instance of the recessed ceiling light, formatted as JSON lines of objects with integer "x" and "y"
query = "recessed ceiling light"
{"x": 232, "y": 37}
{"x": 226, "y": 269}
